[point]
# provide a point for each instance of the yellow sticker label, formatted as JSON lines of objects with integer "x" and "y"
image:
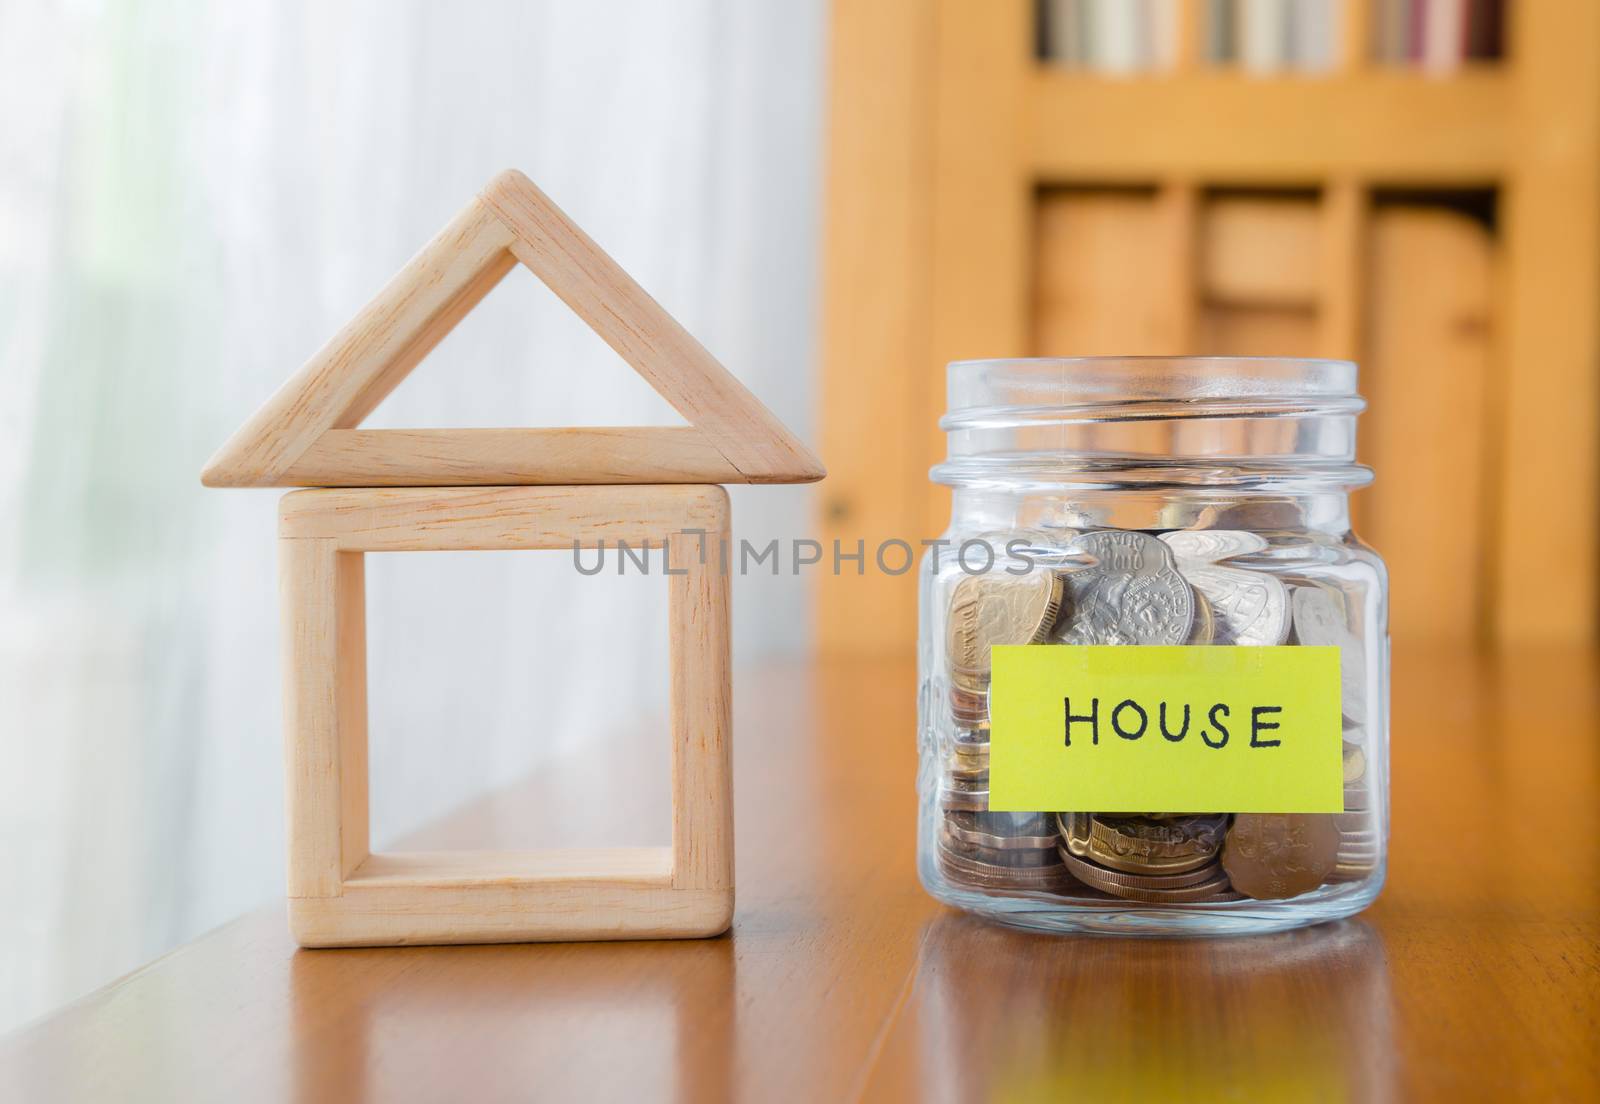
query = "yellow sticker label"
{"x": 1179, "y": 729}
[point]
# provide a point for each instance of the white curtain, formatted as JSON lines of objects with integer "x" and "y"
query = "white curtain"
{"x": 194, "y": 194}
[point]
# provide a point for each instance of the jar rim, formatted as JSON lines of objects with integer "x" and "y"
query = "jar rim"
{"x": 1056, "y": 381}
{"x": 1243, "y": 421}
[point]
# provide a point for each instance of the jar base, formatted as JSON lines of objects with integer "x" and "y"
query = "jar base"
{"x": 1043, "y": 912}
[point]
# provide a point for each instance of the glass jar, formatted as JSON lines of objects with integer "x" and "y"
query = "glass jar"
{"x": 1182, "y": 503}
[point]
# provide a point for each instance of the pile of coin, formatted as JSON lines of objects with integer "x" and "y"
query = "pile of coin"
{"x": 1133, "y": 587}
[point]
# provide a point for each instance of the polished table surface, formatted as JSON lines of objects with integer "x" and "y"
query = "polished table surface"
{"x": 1475, "y": 976}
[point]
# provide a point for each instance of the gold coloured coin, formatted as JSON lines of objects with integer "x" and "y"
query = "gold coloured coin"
{"x": 1205, "y": 621}
{"x": 1074, "y": 829}
{"x": 997, "y": 608}
{"x": 1137, "y": 846}
{"x": 1110, "y": 881}
{"x": 970, "y": 768}
{"x": 1211, "y": 884}
{"x": 1000, "y": 831}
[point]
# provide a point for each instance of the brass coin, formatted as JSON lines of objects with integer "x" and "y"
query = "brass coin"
{"x": 1110, "y": 881}
{"x": 1270, "y": 856}
{"x": 1137, "y": 846}
{"x": 1074, "y": 829}
{"x": 1205, "y": 622}
{"x": 957, "y": 768}
{"x": 1000, "y": 831}
{"x": 997, "y": 608}
{"x": 1211, "y": 885}
{"x": 1217, "y": 889}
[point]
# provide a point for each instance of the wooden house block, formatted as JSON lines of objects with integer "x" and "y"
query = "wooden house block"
{"x": 340, "y": 893}
{"x": 309, "y": 434}
{"x": 462, "y": 489}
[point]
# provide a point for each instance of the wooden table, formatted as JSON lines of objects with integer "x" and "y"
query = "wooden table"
{"x": 1476, "y": 975}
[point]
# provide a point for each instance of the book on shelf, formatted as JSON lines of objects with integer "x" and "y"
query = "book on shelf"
{"x": 1266, "y": 36}
{"x": 1437, "y": 35}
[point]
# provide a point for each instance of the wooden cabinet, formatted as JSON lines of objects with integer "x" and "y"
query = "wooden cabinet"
{"x": 1443, "y": 229}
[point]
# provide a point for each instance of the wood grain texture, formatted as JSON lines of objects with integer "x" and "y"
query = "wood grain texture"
{"x": 494, "y": 457}
{"x": 702, "y": 713}
{"x": 1548, "y": 478}
{"x": 423, "y": 519}
{"x": 1342, "y": 270}
{"x": 1476, "y": 975}
{"x": 369, "y": 357}
{"x": 342, "y": 896}
{"x": 874, "y": 360}
{"x": 1261, "y": 250}
{"x": 307, "y": 433}
{"x": 585, "y": 278}
{"x": 314, "y": 663}
{"x": 1402, "y": 126}
{"x": 982, "y": 199}
{"x": 1427, "y": 377}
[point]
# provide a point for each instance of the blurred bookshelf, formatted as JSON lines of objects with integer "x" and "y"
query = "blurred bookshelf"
{"x": 1414, "y": 184}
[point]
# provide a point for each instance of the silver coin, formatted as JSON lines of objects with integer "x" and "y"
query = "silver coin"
{"x": 1250, "y": 607}
{"x": 1211, "y": 545}
{"x": 1357, "y": 822}
{"x": 1319, "y": 619}
{"x": 953, "y": 843}
{"x": 1131, "y": 594}
{"x": 975, "y": 801}
{"x": 1257, "y": 514}
{"x": 1355, "y": 763}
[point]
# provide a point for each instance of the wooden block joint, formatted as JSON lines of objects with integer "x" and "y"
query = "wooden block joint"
{"x": 340, "y": 895}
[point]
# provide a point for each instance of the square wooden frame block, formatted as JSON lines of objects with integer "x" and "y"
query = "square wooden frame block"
{"x": 341, "y": 894}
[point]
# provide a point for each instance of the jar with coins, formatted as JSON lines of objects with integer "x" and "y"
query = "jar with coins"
{"x": 1153, "y": 653}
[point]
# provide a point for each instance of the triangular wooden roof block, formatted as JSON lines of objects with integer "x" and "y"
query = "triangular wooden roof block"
{"x": 307, "y": 434}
